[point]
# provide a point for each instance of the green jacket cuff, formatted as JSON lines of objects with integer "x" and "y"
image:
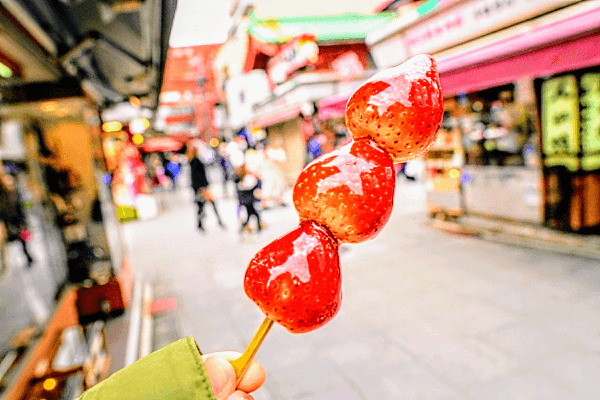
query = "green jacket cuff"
{"x": 174, "y": 372}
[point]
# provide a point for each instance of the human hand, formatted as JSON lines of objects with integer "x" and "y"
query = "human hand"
{"x": 222, "y": 376}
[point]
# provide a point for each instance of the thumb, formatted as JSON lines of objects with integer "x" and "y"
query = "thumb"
{"x": 221, "y": 375}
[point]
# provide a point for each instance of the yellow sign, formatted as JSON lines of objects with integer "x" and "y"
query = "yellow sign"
{"x": 590, "y": 121}
{"x": 127, "y": 213}
{"x": 560, "y": 122}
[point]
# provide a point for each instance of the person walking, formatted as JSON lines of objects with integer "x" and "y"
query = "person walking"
{"x": 200, "y": 186}
{"x": 226, "y": 167}
{"x": 13, "y": 217}
{"x": 248, "y": 185}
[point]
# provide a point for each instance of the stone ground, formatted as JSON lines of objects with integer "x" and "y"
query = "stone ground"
{"x": 426, "y": 314}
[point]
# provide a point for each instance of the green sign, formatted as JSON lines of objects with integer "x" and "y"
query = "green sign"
{"x": 560, "y": 122}
{"x": 5, "y": 71}
{"x": 590, "y": 121}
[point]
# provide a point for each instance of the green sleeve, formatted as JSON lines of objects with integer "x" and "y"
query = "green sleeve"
{"x": 174, "y": 372}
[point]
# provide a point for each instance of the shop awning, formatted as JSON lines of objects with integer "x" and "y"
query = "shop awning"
{"x": 276, "y": 116}
{"x": 333, "y": 106}
{"x": 570, "y": 44}
{"x": 108, "y": 51}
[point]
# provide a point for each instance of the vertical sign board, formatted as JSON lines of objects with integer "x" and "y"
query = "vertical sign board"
{"x": 590, "y": 121}
{"x": 560, "y": 122}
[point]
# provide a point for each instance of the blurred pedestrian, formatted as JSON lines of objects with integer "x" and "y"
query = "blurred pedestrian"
{"x": 13, "y": 217}
{"x": 201, "y": 188}
{"x": 158, "y": 177}
{"x": 236, "y": 150}
{"x": 226, "y": 167}
{"x": 248, "y": 186}
{"x": 173, "y": 169}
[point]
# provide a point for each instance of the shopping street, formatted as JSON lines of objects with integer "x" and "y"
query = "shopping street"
{"x": 426, "y": 314}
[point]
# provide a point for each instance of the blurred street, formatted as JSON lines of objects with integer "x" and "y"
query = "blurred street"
{"x": 120, "y": 120}
{"x": 426, "y": 314}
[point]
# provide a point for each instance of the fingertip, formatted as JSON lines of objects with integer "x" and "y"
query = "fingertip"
{"x": 253, "y": 378}
{"x": 239, "y": 395}
{"x": 255, "y": 374}
{"x": 221, "y": 375}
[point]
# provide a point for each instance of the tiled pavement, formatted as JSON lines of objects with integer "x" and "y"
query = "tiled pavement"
{"x": 426, "y": 314}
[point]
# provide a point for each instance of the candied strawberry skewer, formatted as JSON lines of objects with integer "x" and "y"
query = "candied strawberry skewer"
{"x": 296, "y": 282}
{"x": 344, "y": 196}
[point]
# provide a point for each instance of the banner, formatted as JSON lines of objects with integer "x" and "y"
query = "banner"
{"x": 293, "y": 55}
{"x": 590, "y": 121}
{"x": 560, "y": 122}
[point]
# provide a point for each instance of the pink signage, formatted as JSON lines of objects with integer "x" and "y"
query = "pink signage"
{"x": 472, "y": 19}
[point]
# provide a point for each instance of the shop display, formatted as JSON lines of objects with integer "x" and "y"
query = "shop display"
{"x": 128, "y": 183}
{"x": 486, "y": 160}
{"x": 99, "y": 301}
{"x": 296, "y": 279}
{"x": 442, "y": 165}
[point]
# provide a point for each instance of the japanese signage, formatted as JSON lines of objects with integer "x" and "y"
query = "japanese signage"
{"x": 470, "y": 20}
{"x": 560, "y": 122}
{"x": 293, "y": 55}
{"x": 590, "y": 121}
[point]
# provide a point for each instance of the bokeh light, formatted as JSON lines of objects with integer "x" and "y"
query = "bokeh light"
{"x": 112, "y": 126}
{"x": 50, "y": 384}
{"x": 137, "y": 139}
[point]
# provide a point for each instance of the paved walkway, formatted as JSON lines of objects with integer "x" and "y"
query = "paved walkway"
{"x": 426, "y": 314}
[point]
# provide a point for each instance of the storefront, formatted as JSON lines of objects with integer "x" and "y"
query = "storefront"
{"x": 286, "y": 117}
{"x": 55, "y": 191}
{"x": 52, "y": 152}
{"x": 523, "y": 99}
{"x": 301, "y": 59}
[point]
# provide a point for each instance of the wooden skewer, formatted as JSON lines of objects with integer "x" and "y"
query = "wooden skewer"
{"x": 241, "y": 364}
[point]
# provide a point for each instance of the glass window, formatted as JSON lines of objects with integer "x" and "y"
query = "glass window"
{"x": 498, "y": 126}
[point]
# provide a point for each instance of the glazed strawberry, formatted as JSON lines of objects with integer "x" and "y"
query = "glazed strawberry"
{"x": 349, "y": 190}
{"x": 400, "y": 108}
{"x": 295, "y": 280}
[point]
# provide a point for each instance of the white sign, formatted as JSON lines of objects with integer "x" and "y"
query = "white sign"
{"x": 389, "y": 52}
{"x": 11, "y": 141}
{"x": 243, "y": 92}
{"x": 471, "y": 20}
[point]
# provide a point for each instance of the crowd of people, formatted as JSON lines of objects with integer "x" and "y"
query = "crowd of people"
{"x": 254, "y": 169}
{"x": 255, "y": 172}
